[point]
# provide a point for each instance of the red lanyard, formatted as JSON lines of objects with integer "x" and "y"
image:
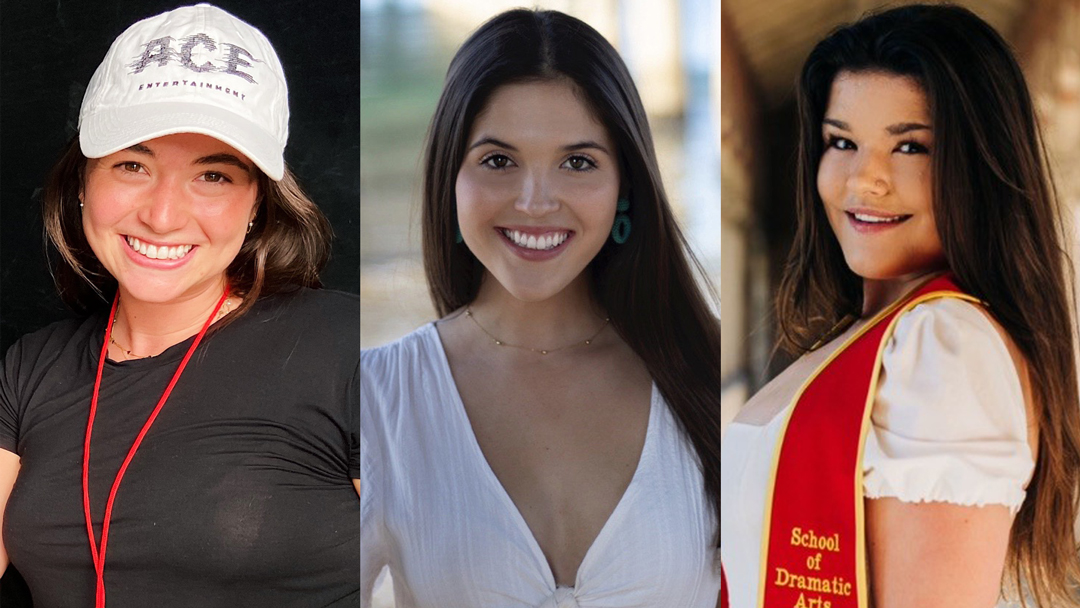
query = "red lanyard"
{"x": 99, "y": 556}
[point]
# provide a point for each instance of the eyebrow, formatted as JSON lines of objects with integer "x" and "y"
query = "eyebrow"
{"x": 224, "y": 159}
{"x": 581, "y": 145}
{"x": 213, "y": 159}
{"x": 494, "y": 142}
{"x": 897, "y": 129}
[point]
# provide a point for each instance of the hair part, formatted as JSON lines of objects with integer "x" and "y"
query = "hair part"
{"x": 1000, "y": 225}
{"x": 287, "y": 247}
{"x": 647, "y": 285}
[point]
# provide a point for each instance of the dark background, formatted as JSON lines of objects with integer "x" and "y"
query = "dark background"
{"x": 48, "y": 51}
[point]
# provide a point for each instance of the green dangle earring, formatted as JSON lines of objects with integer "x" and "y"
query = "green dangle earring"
{"x": 458, "y": 238}
{"x": 620, "y": 231}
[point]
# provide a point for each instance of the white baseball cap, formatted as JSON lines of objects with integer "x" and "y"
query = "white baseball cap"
{"x": 195, "y": 69}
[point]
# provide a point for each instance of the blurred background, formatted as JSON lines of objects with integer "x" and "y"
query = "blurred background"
{"x": 763, "y": 45}
{"x": 406, "y": 47}
{"x": 672, "y": 49}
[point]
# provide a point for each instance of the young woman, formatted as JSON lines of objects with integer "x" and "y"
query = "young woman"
{"x": 194, "y": 440}
{"x": 927, "y": 443}
{"x": 552, "y": 440}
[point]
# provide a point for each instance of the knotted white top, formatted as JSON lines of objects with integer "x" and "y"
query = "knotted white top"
{"x": 563, "y": 598}
{"x": 434, "y": 512}
{"x": 949, "y": 425}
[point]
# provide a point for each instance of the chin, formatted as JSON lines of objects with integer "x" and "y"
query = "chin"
{"x": 532, "y": 290}
{"x": 877, "y": 271}
{"x": 530, "y": 293}
{"x": 150, "y": 294}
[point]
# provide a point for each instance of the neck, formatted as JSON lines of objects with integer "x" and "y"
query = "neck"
{"x": 880, "y": 293}
{"x": 149, "y": 328}
{"x": 571, "y": 316}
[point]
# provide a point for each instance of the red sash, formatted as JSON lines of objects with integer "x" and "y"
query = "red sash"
{"x": 813, "y": 541}
{"x": 723, "y": 589}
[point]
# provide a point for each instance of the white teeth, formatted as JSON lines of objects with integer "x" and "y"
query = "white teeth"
{"x": 873, "y": 219}
{"x": 159, "y": 253}
{"x": 541, "y": 243}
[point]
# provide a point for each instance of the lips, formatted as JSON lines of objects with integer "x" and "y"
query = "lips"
{"x": 541, "y": 242}
{"x": 158, "y": 252}
{"x": 535, "y": 244}
{"x": 166, "y": 256}
{"x": 872, "y": 221}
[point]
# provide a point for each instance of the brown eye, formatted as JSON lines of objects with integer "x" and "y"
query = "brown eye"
{"x": 911, "y": 147}
{"x": 131, "y": 167}
{"x": 840, "y": 143}
{"x": 496, "y": 161}
{"x": 215, "y": 178}
{"x": 580, "y": 163}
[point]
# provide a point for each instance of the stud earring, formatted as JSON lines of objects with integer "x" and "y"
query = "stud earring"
{"x": 80, "y": 205}
{"x": 620, "y": 231}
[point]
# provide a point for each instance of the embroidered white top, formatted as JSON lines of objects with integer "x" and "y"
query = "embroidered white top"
{"x": 949, "y": 425}
{"x": 433, "y": 511}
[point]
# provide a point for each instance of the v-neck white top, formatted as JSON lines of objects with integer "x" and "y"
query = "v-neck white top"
{"x": 432, "y": 509}
{"x": 949, "y": 425}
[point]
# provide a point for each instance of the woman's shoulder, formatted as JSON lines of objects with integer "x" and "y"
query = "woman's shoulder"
{"x": 52, "y": 340}
{"x": 955, "y": 330}
{"x": 319, "y": 302}
{"x": 419, "y": 348}
{"x": 951, "y": 418}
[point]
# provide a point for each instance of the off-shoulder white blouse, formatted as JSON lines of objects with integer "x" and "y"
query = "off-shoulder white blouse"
{"x": 949, "y": 425}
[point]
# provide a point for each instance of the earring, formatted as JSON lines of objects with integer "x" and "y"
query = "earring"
{"x": 250, "y": 224}
{"x": 620, "y": 231}
{"x": 458, "y": 239}
{"x": 80, "y": 205}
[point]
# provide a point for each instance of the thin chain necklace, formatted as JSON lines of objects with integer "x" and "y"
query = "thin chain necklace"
{"x": 225, "y": 309}
{"x": 542, "y": 351}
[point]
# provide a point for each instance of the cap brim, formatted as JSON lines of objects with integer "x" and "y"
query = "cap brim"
{"x": 109, "y": 131}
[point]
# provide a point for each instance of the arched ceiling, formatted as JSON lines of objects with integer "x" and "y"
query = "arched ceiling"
{"x": 775, "y": 36}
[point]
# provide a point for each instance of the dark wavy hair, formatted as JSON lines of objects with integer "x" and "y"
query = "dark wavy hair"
{"x": 999, "y": 222}
{"x": 288, "y": 246}
{"x": 647, "y": 285}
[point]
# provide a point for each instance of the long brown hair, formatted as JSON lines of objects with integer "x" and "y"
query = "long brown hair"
{"x": 287, "y": 247}
{"x": 999, "y": 222}
{"x": 647, "y": 285}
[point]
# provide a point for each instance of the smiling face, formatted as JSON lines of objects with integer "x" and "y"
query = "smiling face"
{"x": 875, "y": 176}
{"x": 537, "y": 190}
{"x": 166, "y": 217}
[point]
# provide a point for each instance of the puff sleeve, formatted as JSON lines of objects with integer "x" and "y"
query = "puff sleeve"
{"x": 949, "y": 420}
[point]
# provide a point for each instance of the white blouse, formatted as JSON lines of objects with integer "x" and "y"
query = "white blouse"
{"x": 949, "y": 425}
{"x": 433, "y": 511}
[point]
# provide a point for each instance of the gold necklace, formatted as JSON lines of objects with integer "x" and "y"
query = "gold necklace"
{"x": 226, "y": 308}
{"x": 542, "y": 351}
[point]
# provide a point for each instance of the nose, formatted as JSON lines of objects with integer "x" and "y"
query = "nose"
{"x": 165, "y": 208}
{"x": 870, "y": 175}
{"x": 537, "y": 197}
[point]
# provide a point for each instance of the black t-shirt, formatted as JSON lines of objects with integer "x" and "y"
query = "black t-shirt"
{"x": 241, "y": 493}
